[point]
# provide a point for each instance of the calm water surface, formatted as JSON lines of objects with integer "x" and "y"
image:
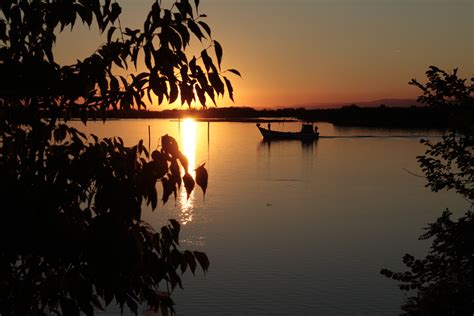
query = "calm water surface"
{"x": 291, "y": 228}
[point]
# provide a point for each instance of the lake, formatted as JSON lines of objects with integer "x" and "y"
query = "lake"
{"x": 292, "y": 228}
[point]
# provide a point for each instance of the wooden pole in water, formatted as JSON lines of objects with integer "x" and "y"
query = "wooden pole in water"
{"x": 149, "y": 139}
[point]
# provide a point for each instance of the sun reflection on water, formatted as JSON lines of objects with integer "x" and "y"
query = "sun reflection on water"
{"x": 188, "y": 141}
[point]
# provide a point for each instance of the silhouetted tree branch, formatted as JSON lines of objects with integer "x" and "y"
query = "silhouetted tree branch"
{"x": 449, "y": 164}
{"x": 443, "y": 282}
{"x": 71, "y": 235}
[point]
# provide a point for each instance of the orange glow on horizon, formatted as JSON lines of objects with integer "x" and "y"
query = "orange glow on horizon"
{"x": 306, "y": 53}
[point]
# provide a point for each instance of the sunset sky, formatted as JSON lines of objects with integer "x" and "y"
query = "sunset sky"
{"x": 310, "y": 52}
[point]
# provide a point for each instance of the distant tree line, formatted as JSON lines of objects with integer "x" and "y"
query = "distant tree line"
{"x": 353, "y": 115}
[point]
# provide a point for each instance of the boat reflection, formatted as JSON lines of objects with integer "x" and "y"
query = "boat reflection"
{"x": 188, "y": 143}
{"x": 306, "y": 145}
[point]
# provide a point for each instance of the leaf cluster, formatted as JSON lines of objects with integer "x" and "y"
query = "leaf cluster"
{"x": 445, "y": 89}
{"x": 443, "y": 282}
{"x": 71, "y": 235}
{"x": 449, "y": 164}
{"x": 72, "y": 238}
{"x": 29, "y": 70}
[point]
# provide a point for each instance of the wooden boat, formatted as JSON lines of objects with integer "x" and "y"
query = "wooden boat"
{"x": 307, "y": 133}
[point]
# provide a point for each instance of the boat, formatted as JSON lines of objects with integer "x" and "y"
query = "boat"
{"x": 307, "y": 133}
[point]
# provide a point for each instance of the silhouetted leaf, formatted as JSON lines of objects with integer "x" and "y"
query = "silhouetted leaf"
{"x": 147, "y": 53}
{"x": 205, "y": 27}
{"x": 175, "y": 192}
{"x": 191, "y": 260}
{"x": 140, "y": 146}
{"x": 86, "y": 14}
{"x": 110, "y": 32}
{"x": 207, "y": 60}
{"x": 115, "y": 12}
{"x": 84, "y": 116}
{"x": 154, "y": 198}
{"x": 170, "y": 145}
{"x": 184, "y": 33}
{"x": 175, "y": 225}
{"x": 156, "y": 155}
{"x": 114, "y": 84}
{"x": 218, "y": 49}
{"x": 166, "y": 234}
{"x": 175, "y": 172}
{"x": 185, "y": 8}
{"x": 201, "y": 95}
{"x": 173, "y": 92}
{"x": 184, "y": 264}
{"x": 195, "y": 29}
{"x": 188, "y": 184}
{"x": 168, "y": 186}
{"x": 234, "y": 71}
{"x": 216, "y": 82}
{"x": 184, "y": 162}
{"x": 210, "y": 92}
{"x": 202, "y": 177}
{"x": 174, "y": 279}
{"x": 202, "y": 259}
{"x": 230, "y": 90}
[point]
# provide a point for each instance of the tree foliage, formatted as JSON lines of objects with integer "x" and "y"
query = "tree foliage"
{"x": 449, "y": 164}
{"x": 445, "y": 89}
{"x": 27, "y": 31}
{"x": 443, "y": 282}
{"x": 71, "y": 235}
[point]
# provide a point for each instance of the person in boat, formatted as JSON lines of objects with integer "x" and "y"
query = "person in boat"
{"x": 306, "y": 129}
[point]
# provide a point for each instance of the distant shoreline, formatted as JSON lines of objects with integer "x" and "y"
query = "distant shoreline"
{"x": 389, "y": 117}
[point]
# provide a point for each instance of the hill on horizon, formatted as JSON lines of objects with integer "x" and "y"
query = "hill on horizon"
{"x": 390, "y": 102}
